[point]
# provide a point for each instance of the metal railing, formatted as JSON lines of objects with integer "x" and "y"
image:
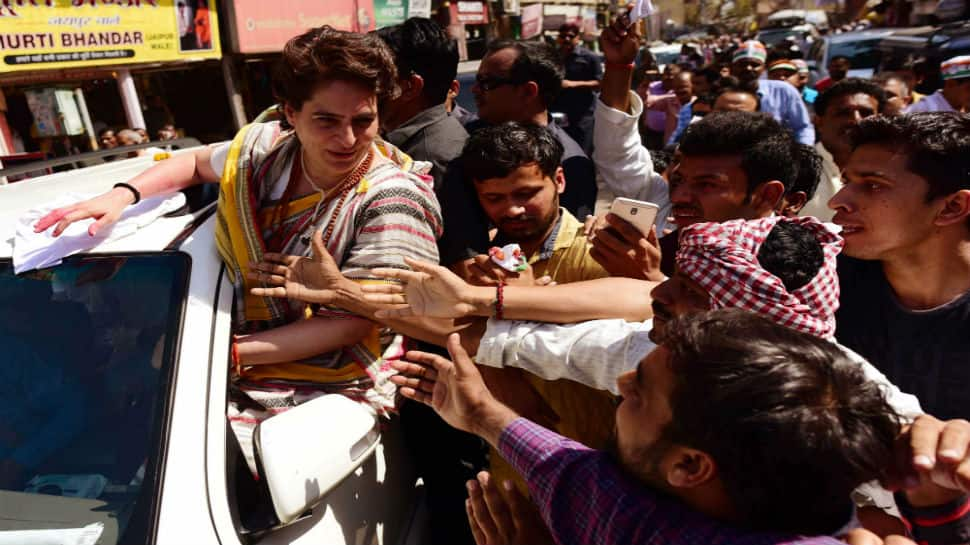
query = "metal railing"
{"x": 92, "y": 158}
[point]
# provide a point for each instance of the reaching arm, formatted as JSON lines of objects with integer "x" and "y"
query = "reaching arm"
{"x": 302, "y": 339}
{"x": 593, "y": 353}
{"x": 178, "y": 172}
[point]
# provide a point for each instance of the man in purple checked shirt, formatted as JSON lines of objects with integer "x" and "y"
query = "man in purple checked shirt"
{"x": 735, "y": 430}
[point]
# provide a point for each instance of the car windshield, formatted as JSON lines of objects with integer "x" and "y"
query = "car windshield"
{"x": 773, "y": 37}
{"x": 861, "y": 53}
{"x": 89, "y": 351}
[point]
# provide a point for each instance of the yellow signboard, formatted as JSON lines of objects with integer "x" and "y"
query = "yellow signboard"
{"x": 46, "y": 34}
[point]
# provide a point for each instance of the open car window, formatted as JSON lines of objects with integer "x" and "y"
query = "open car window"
{"x": 88, "y": 359}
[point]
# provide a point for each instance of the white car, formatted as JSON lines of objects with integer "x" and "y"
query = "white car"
{"x": 114, "y": 374}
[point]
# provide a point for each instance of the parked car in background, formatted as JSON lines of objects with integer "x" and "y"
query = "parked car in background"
{"x": 861, "y": 48}
{"x": 662, "y": 53}
{"x": 788, "y": 18}
{"x": 801, "y": 35}
{"x": 115, "y": 375}
{"x": 935, "y": 44}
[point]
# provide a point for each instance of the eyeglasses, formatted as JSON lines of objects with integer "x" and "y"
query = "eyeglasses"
{"x": 567, "y": 37}
{"x": 490, "y": 83}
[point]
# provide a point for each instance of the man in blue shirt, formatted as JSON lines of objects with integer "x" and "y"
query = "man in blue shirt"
{"x": 778, "y": 99}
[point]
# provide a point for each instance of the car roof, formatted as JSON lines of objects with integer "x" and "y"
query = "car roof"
{"x": 18, "y": 198}
{"x": 858, "y": 35}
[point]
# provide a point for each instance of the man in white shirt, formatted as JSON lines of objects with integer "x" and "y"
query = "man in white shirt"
{"x": 837, "y": 110}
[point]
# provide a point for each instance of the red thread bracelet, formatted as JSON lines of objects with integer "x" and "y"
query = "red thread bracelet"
{"x": 500, "y": 301}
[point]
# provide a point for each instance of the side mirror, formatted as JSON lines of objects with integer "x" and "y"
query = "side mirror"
{"x": 306, "y": 451}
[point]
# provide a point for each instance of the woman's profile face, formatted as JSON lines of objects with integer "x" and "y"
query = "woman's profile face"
{"x": 336, "y": 127}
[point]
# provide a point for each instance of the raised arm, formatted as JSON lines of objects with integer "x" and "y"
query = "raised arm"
{"x": 173, "y": 174}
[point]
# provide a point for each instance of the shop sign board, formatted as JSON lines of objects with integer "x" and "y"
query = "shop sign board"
{"x": 468, "y": 13}
{"x": 390, "y": 12}
{"x": 50, "y": 34}
{"x": 419, "y": 8}
{"x": 264, "y": 26}
{"x": 531, "y": 21}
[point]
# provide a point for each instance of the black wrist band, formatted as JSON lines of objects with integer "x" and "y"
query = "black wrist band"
{"x": 131, "y": 188}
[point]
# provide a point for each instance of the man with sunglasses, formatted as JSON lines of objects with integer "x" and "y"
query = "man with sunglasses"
{"x": 583, "y": 74}
{"x": 516, "y": 81}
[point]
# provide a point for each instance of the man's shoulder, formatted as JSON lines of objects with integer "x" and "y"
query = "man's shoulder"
{"x": 570, "y": 148}
{"x": 781, "y": 88}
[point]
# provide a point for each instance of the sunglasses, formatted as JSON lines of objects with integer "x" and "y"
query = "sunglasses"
{"x": 490, "y": 83}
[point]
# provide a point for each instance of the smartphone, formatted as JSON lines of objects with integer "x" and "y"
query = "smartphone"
{"x": 641, "y": 214}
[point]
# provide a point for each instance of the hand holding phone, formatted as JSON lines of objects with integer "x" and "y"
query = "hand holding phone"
{"x": 640, "y": 214}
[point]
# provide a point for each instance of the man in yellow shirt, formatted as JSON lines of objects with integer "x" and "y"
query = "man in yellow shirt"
{"x": 516, "y": 172}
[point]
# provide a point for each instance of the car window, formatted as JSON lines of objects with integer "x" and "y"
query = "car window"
{"x": 861, "y": 54}
{"x": 666, "y": 57}
{"x": 89, "y": 350}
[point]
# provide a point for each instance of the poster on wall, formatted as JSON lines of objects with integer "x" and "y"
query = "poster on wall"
{"x": 419, "y": 8}
{"x": 390, "y": 12}
{"x": 531, "y": 21}
{"x": 46, "y": 34}
{"x": 264, "y": 26}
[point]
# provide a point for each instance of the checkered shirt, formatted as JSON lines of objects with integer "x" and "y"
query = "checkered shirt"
{"x": 723, "y": 259}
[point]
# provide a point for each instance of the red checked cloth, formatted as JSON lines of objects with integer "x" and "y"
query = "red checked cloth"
{"x": 723, "y": 259}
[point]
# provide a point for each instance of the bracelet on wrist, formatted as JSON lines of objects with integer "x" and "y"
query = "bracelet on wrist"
{"x": 131, "y": 188}
{"x": 500, "y": 301}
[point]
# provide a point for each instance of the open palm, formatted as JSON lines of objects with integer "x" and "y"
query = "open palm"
{"x": 427, "y": 290}
{"x": 309, "y": 279}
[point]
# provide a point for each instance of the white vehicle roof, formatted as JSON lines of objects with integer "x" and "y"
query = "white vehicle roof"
{"x": 19, "y": 197}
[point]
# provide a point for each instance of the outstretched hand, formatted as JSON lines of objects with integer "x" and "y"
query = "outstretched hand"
{"x": 861, "y": 536}
{"x": 105, "y": 209}
{"x": 620, "y": 42}
{"x": 503, "y": 519}
{"x": 454, "y": 389}
{"x": 426, "y": 290}
{"x": 933, "y": 460}
{"x": 314, "y": 279}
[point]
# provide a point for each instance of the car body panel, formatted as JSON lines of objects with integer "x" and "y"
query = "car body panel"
{"x": 376, "y": 504}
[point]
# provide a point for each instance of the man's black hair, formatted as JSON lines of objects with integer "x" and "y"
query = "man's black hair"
{"x": 848, "y": 87}
{"x": 661, "y": 160}
{"x": 536, "y": 61}
{"x": 709, "y": 73}
{"x": 937, "y": 145}
{"x": 809, "y": 164}
{"x": 765, "y": 147}
{"x": 840, "y": 57}
{"x": 496, "y": 151}
{"x": 792, "y": 253}
{"x": 420, "y": 46}
{"x": 785, "y": 414}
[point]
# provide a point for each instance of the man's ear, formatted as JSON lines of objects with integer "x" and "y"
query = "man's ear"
{"x": 956, "y": 208}
{"x": 688, "y": 468}
{"x": 792, "y": 203}
{"x": 413, "y": 87}
{"x": 768, "y": 195}
{"x": 560, "y": 179}
{"x": 531, "y": 89}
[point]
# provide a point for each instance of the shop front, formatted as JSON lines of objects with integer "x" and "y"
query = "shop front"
{"x": 258, "y": 30}
{"x": 69, "y": 69}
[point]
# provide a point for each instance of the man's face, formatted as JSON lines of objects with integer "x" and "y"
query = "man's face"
{"x": 108, "y": 140}
{"x": 498, "y": 99}
{"x": 642, "y": 417}
{"x": 840, "y": 116}
{"x": 960, "y": 92}
{"x": 709, "y": 188}
{"x": 683, "y": 89}
{"x": 747, "y": 70}
{"x": 568, "y": 41}
{"x": 838, "y": 68}
{"x": 896, "y": 87}
{"x": 676, "y": 296}
{"x": 882, "y": 207}
{"x": 736, "y": 102}
{"x": 336, "y": 127}
{"x": 700, "y": 84}
{"x": 786, "y": 75}
{"x": 669, "y": 76}
{"x": 523, "y": 205}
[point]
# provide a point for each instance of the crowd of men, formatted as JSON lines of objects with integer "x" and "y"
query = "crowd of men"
{"x": 745, "y": 372}
{"x": 781, "y": 358}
